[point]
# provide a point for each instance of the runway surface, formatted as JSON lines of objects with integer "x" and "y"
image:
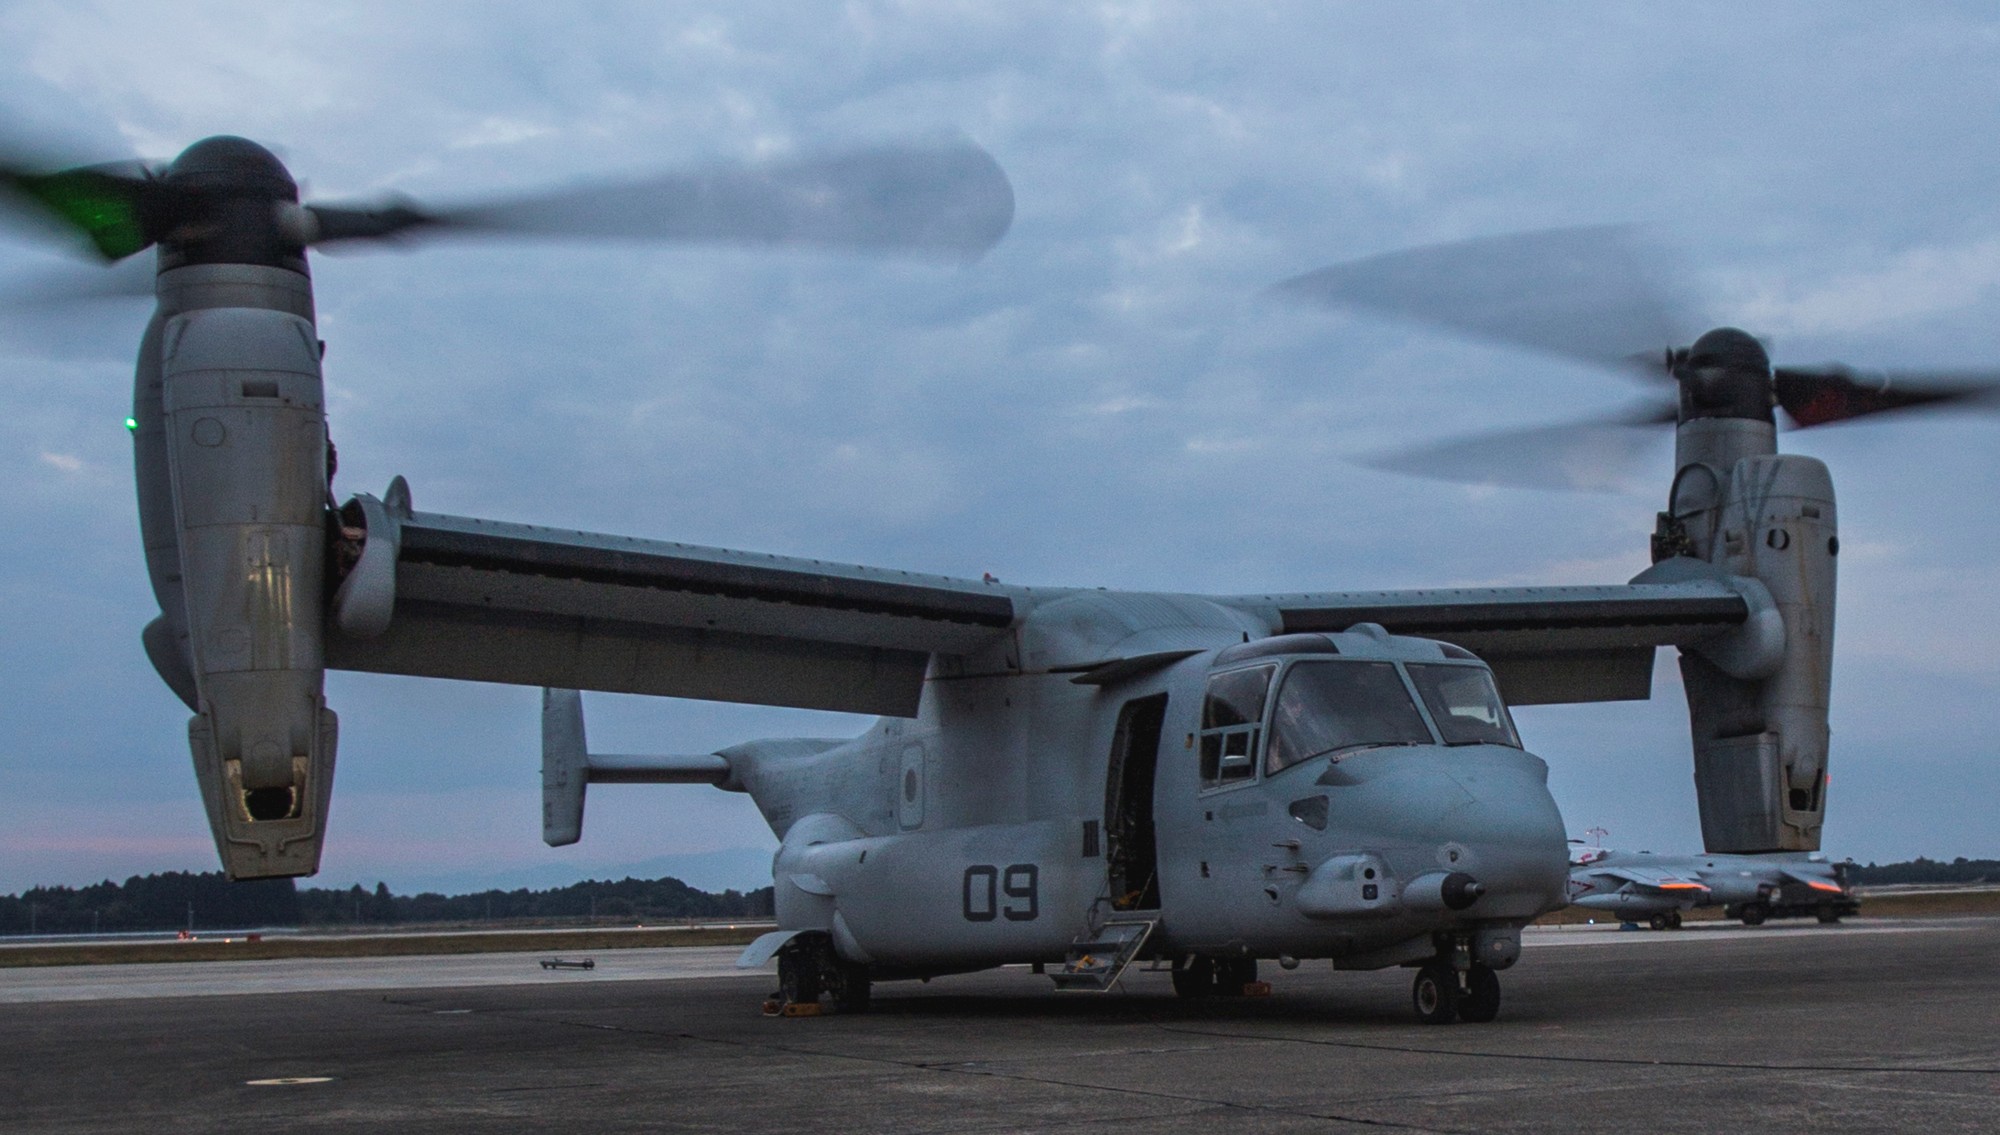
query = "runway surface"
{"x": 1875, "y": 1025}
{"x": 326, "y": 975}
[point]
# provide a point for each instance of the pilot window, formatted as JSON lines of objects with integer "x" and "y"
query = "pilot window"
{"x": 1329, "y": 707}
{"x": 1232, "y": 716}
{"x": 1463, "y": 702}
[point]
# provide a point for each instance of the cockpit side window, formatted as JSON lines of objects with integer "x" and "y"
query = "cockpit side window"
{"x": 1463, "y": 702}
{"x": 1325, "y": 707}
{"x": 1232, "y": 717}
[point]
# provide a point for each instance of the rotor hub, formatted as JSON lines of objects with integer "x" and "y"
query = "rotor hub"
{"x": 221, "y": 202}
{"x": 226, "y": 163}
{"x": 1726, "y": 374}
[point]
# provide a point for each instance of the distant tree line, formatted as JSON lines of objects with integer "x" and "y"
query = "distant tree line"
{"x": 151, "y": 902}
{"x": 179, "y": 900}
{"x": 1921, "y": 870}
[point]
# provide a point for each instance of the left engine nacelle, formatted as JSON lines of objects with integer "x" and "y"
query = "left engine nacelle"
{"x": 245, "y": 433}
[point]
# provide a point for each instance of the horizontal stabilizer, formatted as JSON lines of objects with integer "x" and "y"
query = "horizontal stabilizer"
{"x": 662, "y": 768}
{"x": 568, "y": 767}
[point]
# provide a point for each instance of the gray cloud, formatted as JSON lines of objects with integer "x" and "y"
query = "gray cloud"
{"x": 1103, "y": 399}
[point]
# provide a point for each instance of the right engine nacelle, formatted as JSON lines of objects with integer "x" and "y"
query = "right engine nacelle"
{"x": 1760, "y": 736}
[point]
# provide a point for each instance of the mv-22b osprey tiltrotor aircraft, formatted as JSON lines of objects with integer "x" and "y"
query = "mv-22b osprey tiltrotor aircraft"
{"x": 1069, "y": 777}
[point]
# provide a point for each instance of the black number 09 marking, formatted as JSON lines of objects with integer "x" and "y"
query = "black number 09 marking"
{"x": 986, "y": 885}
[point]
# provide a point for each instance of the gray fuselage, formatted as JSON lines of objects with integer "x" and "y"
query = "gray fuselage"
{"x": 1007, "y": 819}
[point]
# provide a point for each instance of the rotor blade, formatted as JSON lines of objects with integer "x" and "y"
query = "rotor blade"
{"x": 105, "y": 203}
{"x": 949, "y": 200}
{"x": 132, "y": 278}
{"x": 1598, "y": 455}
{"x": 1830, "y": 392}
{"x": 1592, "y": 294}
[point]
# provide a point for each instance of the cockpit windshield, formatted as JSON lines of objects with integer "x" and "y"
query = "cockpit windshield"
{"x": 1463, "y": 702}
{"x": 1328, "y": 706}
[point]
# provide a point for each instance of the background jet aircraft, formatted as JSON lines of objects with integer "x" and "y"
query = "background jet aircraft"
{"x": 1658, "y": 888}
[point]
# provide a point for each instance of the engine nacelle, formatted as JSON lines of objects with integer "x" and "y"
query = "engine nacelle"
{"x": 1760, "y": 734}
{"x": 245, "y": 437}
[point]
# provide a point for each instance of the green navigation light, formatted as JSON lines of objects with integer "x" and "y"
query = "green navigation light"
{"x": 132, "y": 424}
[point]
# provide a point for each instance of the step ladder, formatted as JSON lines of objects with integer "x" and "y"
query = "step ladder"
{"x": 1096, "y": 960}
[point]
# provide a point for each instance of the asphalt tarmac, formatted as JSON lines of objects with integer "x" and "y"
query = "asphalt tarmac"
{"x": 1876, "y": 1025}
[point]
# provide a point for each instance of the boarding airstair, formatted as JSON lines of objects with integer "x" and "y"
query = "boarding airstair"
{"x": 1096, "y": 959}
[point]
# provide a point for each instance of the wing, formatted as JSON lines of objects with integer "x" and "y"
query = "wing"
{"x": 450, "y": 597}
{"x": 1545, "y": 644}
{"x": 1815, "y": 879}
{"x": 1652, "y": 879}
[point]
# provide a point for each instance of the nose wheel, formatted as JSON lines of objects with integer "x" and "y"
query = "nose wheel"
{"x": 1441, "y": 995}
{"x": 1480, "y": 1000}
{"x": 1435, "y": 994}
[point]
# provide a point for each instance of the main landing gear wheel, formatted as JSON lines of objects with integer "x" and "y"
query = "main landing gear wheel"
{"x": 1828, "y": 917}
{"x": 850, "y": 986}
{"x": 1200, "y": 976}
{"x": 1233, "y": 974}
{"x": 809, "y": 967}
{"x": 1195, "y": 977}
{"x": 1480, "y": 1002}
{"x": 799, "y": 976}
{"x": 1435, "y": 994}
{"x": 1754, "y": 913}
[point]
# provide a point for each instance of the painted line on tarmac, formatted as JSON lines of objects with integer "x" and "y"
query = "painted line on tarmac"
{"x": 30, "y": 984}
{"x": 1609, "y": 934}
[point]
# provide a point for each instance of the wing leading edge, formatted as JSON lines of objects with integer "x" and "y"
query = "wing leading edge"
{"x": 1545, "y": 644}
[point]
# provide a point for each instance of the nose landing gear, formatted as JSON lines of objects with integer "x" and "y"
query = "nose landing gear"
{"x": 1435, "y": 994}
{"x": 1442, "y": 993}
{"x": 1480, "y": 1002}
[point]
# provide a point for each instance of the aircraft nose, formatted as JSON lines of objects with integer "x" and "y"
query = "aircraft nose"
{"x": 1483, "y": 814}
{"x": 1507, "y": 834}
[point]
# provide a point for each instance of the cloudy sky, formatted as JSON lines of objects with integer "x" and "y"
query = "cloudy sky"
{"x": 1104, "y": 399}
